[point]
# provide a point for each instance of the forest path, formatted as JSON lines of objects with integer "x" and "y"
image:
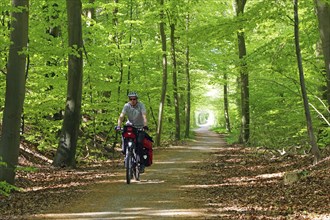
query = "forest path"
{"x": 161, "y": 193}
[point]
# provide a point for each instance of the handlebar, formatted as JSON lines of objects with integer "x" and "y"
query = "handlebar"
{"x": 145, "y": 128}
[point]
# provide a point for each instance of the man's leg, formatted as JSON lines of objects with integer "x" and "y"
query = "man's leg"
{"x": 140, "y": 150}
{"x": 123, "y": 150}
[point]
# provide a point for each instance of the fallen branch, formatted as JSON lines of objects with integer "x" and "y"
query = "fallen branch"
{"x": 35, "y": 154}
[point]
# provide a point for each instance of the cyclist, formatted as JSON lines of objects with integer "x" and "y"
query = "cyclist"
{"x": 137, "y": 116}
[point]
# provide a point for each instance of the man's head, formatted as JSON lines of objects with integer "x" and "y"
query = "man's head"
{"x": 133, "y": 96}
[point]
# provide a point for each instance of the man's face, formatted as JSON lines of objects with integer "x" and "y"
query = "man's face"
{"x": 133, "y": 100}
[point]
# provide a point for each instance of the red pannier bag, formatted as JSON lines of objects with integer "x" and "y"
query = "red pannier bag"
{"x": 129, "y": 132}
{"x": 147, "y": 150}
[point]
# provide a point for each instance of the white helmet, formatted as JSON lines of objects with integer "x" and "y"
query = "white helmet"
{"x": 132, "y": 94}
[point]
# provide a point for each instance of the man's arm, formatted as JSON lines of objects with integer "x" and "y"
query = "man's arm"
{"x": 145, "y": 122}
{"x": 120, "y": 119}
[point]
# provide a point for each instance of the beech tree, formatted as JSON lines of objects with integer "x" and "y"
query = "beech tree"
{"x": 175, "y": 81}
{"x": 323, "y": 14}
{"x": 164, "y": 71}
{"x": 315, "y": 150}
{"x": 187, "y": 72}
{"x": 125, "y": 49}
{"x": 66, "y": 152}
{"x": 244, "y": 76}
{"x": 15, "y": 90}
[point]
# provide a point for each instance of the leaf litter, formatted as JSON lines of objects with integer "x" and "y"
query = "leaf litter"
{"x": 234, "y": 183}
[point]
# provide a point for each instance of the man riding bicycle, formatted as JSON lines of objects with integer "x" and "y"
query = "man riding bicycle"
{"x": 137, "y": 116}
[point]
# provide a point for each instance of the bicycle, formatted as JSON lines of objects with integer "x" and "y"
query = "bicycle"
{"x": 132, "y": 160}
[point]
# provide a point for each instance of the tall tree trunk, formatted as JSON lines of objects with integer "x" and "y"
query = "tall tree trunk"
{"x": 315, "y": 150}
{"x": 117, "y": 40}
{"x": 188, "y": 89}
{"x": 15, "y": 91}
{"x": 164, "y": 68}
{"x": 175, "y": 85}
{"x": 91, "y": 15}
{"x": 244, "y": 78}
{"x": 225, "y": 102}
{"x": 130, "y": 46}
{"x": 65, "y": 155}
{"x": 323, "y": 14}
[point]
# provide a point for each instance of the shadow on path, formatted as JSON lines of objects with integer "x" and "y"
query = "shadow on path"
{"x": 160, "y": 194}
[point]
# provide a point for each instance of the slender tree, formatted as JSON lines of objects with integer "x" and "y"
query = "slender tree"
{"x": 164, "y": 69}
{"x": 175, "y": 84}
{"x": 323, "y": 14}
{"x": 244, "y": 77}
{"x": 315, "y": 150}
{"x": 225, "y": 102}
{"x": 15, "y": 91}
{"x": 188, "y": 88}
{"x": 117, "y": 40}
{"x": 66, "y": 151}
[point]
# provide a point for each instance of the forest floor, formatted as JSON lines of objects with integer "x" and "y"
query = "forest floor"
{"x": 202, "y": 179}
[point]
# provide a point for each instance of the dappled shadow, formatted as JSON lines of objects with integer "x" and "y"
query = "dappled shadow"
{"x": 49, "y": 187}
{"x": 136, "y": 213}
{"x": 239, "y": 183}
{"x": 205, "y": 179}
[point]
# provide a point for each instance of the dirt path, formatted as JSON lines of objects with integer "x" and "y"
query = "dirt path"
{"x": 161, "y": 193}
{"x": 206, "y": 179}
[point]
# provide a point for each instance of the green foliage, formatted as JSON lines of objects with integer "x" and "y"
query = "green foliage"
{"x": 6, "y": 188}
{"x": 122, "y": 51}
{"x": 27, "y": 169}
{"x": 324, "y": 138}
{"x": 2, "y": 164}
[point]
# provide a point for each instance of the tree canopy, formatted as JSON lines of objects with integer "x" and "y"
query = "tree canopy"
{"x": 122, "y": 51}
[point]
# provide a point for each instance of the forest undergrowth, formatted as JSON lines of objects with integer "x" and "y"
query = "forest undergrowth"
{"x": 245, "y": 183}
{"x": 236, "y": 183}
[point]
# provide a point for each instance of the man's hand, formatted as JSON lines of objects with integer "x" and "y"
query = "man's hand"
{"x": 117, "y": 128}
{"x": 145, "y": 128}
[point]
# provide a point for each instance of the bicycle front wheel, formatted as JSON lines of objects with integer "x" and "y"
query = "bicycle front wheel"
{"x": 128, "y": 164}
{"x": 136, "y": 172}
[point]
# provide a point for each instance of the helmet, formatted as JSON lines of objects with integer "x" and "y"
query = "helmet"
{"x": 132, "y": 94}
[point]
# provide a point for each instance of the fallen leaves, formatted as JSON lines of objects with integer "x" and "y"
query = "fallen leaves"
{"x": 234, "y": 183}
{"x": 256, "y": 190}
{"x": 49, "y": 188}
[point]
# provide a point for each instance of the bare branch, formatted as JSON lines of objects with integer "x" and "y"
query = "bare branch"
{"x": 322, "y": 116}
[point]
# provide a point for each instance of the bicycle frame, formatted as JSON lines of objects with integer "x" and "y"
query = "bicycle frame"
{"x": 131, "y": 159}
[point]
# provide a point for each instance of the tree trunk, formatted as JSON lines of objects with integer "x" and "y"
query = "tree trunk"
{"x": 175, "y": 85}
{"x": 315, "y": 149}
{"x": 15, "y": 91}
{"x": 188, "y": 105}
{"x": 225, "y": 102}
{"x": 117, "y": 41}
{"x": 323, "y": 14}
{"x": 244, "y": 78}
{"x": 65, "y": 155}
{"x": 164, "y": 68}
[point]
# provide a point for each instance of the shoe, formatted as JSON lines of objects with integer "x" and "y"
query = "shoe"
{"x": 141, "y": 168}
